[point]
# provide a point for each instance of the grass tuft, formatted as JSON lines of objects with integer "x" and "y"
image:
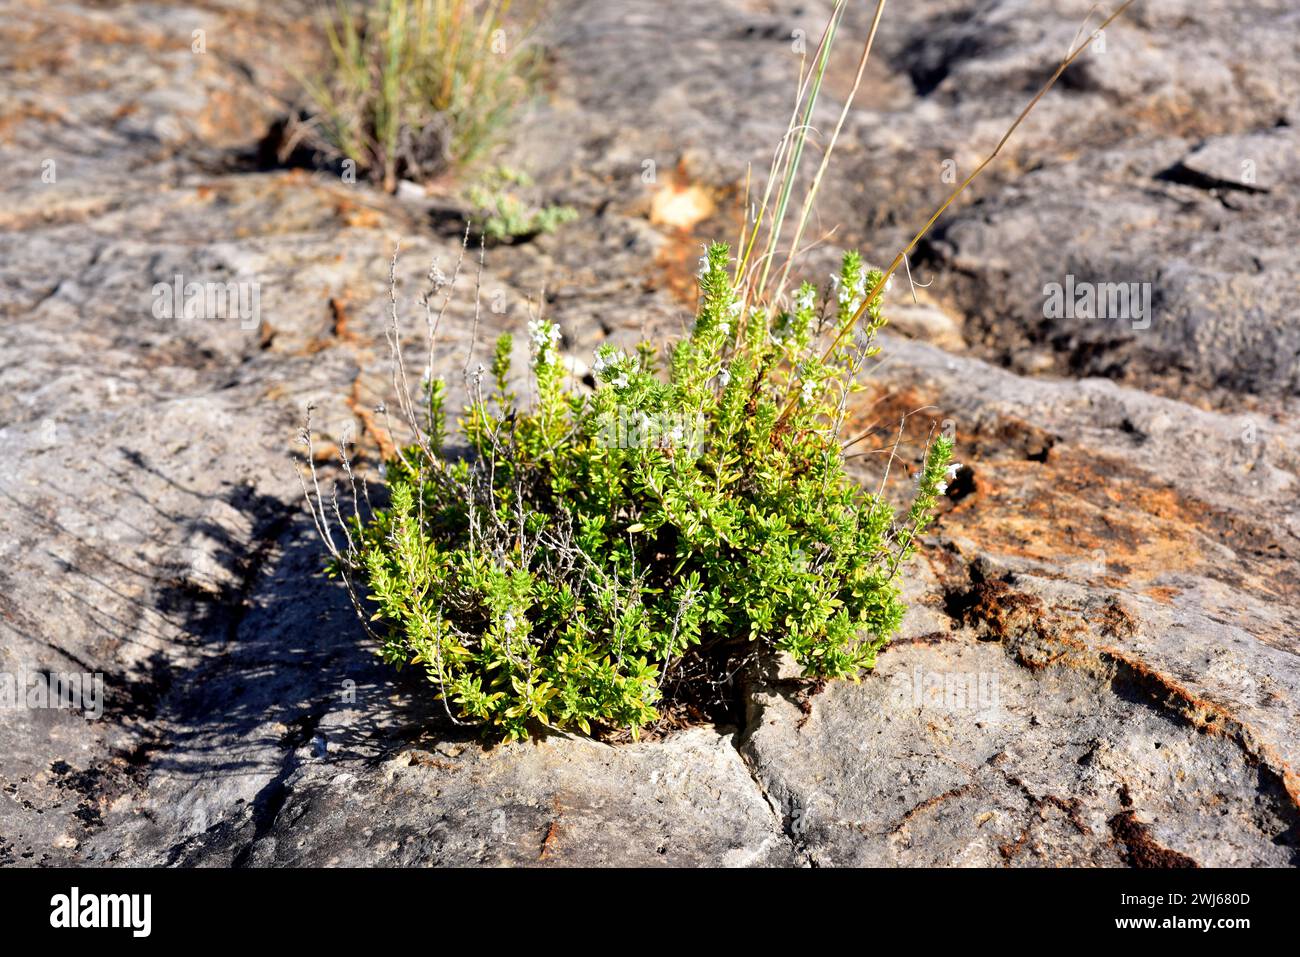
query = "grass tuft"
{"x": 418, "y": 86}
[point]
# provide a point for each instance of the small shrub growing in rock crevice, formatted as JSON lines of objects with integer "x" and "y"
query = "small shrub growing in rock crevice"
{"x": 695, "y": 505}
{"x": 588, "y": 548}
{"x": 503, "y": 216}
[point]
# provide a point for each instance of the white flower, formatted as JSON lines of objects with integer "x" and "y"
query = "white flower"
{"x": 724, "y": 328}
{"x": 806, "y": 393}
{"x": 704, "y": 265}
{"x": 678, "y": 434}
{"x": 620, "y": 382}
{"x": 952, "y": 470}
{"x": 851, "y": 296}
{"x": 941, "y": 487}
{"x": 804, "y": 301}
{"x": 545, "y": 338}
{"x": 543, "y": 333}
{"x": 509, "y": 622}
{"x": 724, "y": 377}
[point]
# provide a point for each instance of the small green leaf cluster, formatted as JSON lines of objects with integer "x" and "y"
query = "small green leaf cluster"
{"x": 502, "y": 215}
{"x": 693, "y": 504}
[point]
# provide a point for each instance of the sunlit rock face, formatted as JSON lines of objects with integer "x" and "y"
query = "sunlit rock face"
{"x": 1099, "y": 662}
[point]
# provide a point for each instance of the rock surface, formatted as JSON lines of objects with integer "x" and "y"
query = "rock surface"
{"x": 1100, "y": 663}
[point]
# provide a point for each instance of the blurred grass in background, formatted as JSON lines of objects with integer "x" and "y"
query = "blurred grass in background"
{"x": 420, "y": 86}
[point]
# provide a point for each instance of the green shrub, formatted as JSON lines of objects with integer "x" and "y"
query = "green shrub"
{"x": 419, "y": 85}
{"x": 588, "y": 546}
{"x": 501, "y": 215}
{"x": 586, "y": 551}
